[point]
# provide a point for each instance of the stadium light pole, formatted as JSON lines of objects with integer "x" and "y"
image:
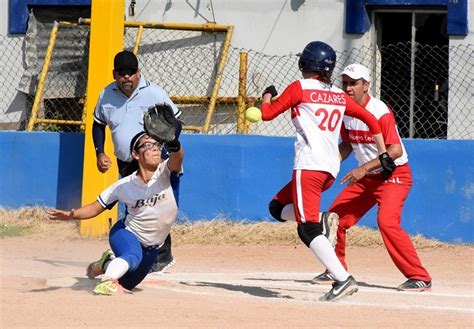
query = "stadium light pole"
{"x": 106, "y": 39}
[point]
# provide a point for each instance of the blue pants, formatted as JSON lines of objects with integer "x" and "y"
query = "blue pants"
{"x": 126, "y": 245}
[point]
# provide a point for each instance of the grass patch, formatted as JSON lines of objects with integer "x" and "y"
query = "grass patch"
{"x": 9, "y": 231}
{"x": 33, "y": 221}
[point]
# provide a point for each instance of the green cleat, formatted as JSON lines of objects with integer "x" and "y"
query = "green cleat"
{"x": 97, "y": 268}
{"x": 108, "y": 288}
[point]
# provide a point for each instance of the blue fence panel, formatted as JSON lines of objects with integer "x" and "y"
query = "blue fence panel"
{"x": 41, "y": 169}
{"x": 235, "y": 177}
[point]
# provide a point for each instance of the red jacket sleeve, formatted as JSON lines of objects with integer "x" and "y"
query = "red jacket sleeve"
{"x": 290, "y": 97}
{"x": 357, "y": 111}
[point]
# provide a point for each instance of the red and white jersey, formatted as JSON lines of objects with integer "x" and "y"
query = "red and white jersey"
{"x": 357, "y": 133}
{"x": 151, "y": 206}
{"x": 317, "y": 110}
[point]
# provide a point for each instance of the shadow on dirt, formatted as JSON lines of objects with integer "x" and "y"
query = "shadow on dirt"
{"x": 250, "y": 290}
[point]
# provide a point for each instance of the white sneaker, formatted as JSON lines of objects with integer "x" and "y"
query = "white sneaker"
{"x": 341, "y": 289}
{"x": 329, "y": 223}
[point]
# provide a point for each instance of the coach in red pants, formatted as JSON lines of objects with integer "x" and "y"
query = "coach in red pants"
{"x": 368, "y": 187}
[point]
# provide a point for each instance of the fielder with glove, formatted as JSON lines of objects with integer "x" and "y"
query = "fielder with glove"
{"x": 121, "y": 106}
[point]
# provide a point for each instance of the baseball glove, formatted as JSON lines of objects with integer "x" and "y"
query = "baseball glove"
{"x": 160, "y": 123}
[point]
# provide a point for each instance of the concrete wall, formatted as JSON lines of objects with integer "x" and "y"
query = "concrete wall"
{"x": 235, "y": 176}
{"x": 4, "y": 17}
{"x": 268, "y": 26}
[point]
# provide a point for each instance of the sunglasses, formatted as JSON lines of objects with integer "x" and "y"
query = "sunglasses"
{"x": 124, "y": 72}
{"x": 148, "y": 146}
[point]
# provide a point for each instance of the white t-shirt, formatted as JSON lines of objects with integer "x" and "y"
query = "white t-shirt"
{"x": 151, "y": 206}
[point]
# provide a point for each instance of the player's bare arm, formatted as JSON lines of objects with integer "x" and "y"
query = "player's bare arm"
{"x": 354, "y": 175}
{"x": 88, "y": 211}
{"x": 394, "y": 151}
{"x": 380, "y": 143}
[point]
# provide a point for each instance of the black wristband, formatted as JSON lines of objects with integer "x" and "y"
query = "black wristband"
{"x": 173, "y": 146}
{"x": 388, "y": 165}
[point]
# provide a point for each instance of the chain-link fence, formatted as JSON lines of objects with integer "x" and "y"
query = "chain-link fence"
{"x": 188, "y": 62}
{"x": 430, "y": 95}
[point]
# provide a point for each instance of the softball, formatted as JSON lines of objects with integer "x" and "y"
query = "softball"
{"x": 253, "y": 114}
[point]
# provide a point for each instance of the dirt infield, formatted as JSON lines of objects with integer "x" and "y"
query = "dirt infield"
{"x": 43, "y": 285}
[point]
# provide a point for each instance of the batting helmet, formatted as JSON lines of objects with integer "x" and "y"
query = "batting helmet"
{"x": 317, "y": 56}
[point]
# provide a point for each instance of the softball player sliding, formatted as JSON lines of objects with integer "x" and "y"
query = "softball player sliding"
{"x": 152, "y": 208}
{"x": 121, "y": 106}
{"x": 367, "y": 186}
{"x": 317, "y": 110}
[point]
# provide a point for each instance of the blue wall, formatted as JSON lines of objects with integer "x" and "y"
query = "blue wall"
{"x": 235, "y": 176}
{"x": 42, "y": 169}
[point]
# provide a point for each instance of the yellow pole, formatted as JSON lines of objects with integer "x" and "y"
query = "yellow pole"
{"x": 138, "y": 39}
{"x": 209, "y": 27}
{"x": 242, "y": 93}
{"x": 217, "y": 83}
{"x": 44, "y": 71}
{"x": 106, "y": 39}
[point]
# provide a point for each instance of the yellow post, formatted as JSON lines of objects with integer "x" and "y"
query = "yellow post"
{"x": 106, "y": 39}
{"x": 217, "y": 84}
{"x": 242, "y": 93}
{"x": 42, "y": 79}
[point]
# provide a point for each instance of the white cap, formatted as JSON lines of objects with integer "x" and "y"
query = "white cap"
{"x": 356, "y": 72}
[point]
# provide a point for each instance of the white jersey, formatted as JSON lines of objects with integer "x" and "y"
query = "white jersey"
{"x": 318, "y": 123}
{"x": 357, "y": 133}
{"x": 151, "y": 206}
{"x": 317, "y": 110}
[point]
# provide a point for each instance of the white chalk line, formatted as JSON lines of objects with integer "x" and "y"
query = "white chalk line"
{"x": 346, "y": 301}
{"x": 286, "y": 279}
{"x": 281, "y": 282}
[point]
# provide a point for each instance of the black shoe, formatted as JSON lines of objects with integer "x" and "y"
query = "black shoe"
{"x": 341, "y": 289}
{"x": 329, "y": 223}
{"x": 323, "y": 278}
{"x": 415, "y": 285}
{"x": 161, "y": 267}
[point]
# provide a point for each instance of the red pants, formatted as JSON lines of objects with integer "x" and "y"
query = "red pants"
{"x": 304, "y": 191}
{"x": 355, "y": 200}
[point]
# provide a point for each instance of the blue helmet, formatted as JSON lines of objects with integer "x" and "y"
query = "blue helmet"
{"x": 317, "y": 56}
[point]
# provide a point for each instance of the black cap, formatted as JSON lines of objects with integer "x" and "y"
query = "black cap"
{"x": 125, "y": 60}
